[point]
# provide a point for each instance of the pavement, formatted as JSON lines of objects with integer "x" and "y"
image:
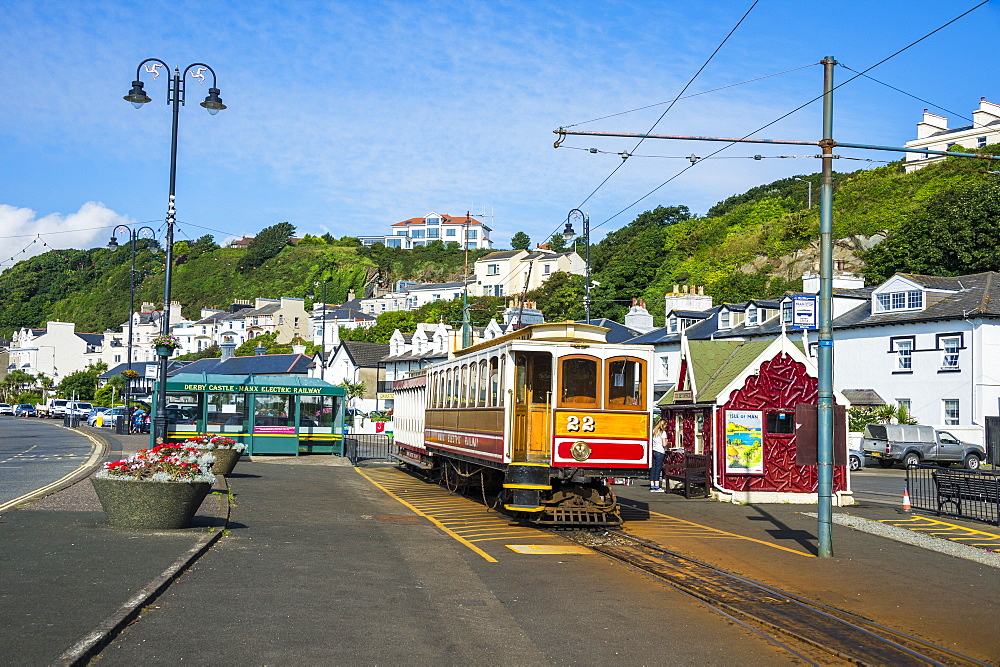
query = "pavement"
{"x": 70, "y": 585}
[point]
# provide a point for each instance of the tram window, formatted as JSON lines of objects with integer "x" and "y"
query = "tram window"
{"x": 494, "y": 382}
{"x": 474, "y": 386}
{"x": 449, "y": 393}
{"x": 432, "y": 394}
{"x": 579, "y": 381}
{"x": 520, "y": 378}
{"x": 440, "y": 390}
{"x": 625, "y": 383}
{"x": 483, "y": 379}
{"x": 461, "y": 385}
{"x": 541, "y": 379}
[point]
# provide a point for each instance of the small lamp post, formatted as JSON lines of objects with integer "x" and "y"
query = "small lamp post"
{"x": 322, "y": 341}
{"x": 134, "y": 235}
{"x": 176, "y": 86}
{"x": 568, "y": 234}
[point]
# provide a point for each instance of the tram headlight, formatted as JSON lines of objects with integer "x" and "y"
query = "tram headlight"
{"x": 580, "y": 450}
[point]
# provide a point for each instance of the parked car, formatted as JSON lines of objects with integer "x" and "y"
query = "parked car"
{"x": 94, "y": 414}
{"x": 25, "y": 410}
{"x": 109, "y": 417}
{"x": 6, "y": 409}
{"x": 913, "y": 444}
{"x": 54, "y": 408}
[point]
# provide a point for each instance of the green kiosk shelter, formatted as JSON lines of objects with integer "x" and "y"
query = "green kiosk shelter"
{"x": 270, "y": 414}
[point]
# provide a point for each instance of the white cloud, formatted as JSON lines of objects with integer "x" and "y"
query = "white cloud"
{"x": 23, "y": 234}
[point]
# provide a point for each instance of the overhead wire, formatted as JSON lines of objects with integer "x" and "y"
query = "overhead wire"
{"x": 671, "y": 105}
{"x": 796, "y": 109}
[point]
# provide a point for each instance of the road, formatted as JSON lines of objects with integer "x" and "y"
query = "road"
{"x": 36, "y": 453}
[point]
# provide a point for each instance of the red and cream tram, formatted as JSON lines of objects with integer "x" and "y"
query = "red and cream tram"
{"x": 546, "y": 414}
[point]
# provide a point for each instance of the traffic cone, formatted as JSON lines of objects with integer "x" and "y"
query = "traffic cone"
{"x": 906, "y": 499}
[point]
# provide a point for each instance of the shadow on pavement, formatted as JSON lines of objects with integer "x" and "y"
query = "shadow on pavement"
{"x": 803, "y": 538}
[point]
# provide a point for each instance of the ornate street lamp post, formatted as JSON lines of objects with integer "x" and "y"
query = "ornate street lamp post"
{"x": 175, "y": 97}
{"x": 134, "y": 235}
{"x": 568, "y": 234}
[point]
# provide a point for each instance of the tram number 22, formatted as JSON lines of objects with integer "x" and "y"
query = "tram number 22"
{"x": 574, "y": 423}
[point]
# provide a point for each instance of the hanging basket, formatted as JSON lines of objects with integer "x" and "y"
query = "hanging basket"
{"x": 150, "y": 505}
{"x": 164, "y": 350}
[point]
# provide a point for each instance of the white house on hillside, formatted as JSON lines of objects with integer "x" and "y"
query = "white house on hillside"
{"x": 415, "y": 232}
{"x": 510, "y": 272}
{"x": 933, "y": 134}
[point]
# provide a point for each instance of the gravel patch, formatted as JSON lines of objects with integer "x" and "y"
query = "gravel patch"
{"x": 938, "y": 544}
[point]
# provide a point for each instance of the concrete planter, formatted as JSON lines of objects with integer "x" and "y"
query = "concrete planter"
{"x": 151, "y": 505}
{"x": 225, "y": 459}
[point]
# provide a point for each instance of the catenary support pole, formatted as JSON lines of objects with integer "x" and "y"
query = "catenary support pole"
{"x": 824, "y": 414}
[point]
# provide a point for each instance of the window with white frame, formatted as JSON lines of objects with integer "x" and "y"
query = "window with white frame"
{"x": 546, "y": 269}
{"x": 471, "y": 234}
{"x": 904, "y": 354}
{"x": 665, "y": 366}
{"x": 951, "y": 411}
{"x": 786, "y": 312}
{"x": 950, "y": 345}
{"x": 673, "y": 325}
{"x": 751, "y": 316}
{"x": 451, "y": 232}
{"x": 980, "y": 142}
{"x": 906, "y": 404}
{"x": 493, "y": 269}
{"x": 892, "y": 301}
{"x": 724, "y": 319}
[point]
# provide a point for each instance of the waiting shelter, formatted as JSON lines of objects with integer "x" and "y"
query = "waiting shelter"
{"x": 271, "y": 415}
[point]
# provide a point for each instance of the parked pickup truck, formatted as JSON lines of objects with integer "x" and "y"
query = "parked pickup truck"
{"x": 913, "y": 444}
{"x": 54, "y": 408}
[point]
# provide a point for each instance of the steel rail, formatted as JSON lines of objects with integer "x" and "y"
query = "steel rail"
{"x": 831, "y": 630}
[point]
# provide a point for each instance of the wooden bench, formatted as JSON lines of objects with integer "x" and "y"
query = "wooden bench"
{"x": 954, "y": 486}
{"x": 693, "y": 474}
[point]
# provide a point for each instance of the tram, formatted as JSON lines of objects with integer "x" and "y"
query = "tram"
{"x": 542, "y": 416}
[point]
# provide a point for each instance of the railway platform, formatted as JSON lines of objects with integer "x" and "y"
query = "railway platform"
{"x": 322, "y": 558}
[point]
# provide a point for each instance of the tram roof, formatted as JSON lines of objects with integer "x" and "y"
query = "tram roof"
{"x": 557, "y": 332}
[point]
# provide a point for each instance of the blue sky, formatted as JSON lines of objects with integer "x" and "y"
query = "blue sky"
{"x": 349, "y": 116}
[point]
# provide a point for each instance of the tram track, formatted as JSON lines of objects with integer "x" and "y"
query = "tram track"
{"x": 813, "y": 632}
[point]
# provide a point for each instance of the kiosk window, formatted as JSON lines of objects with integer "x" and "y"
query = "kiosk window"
{"x": 273, "y": 410}
{"x": 318, "y": 411}
{"x": 579, "y": 381}
{"x": 780, "y": 423}
{"x": 227, "y": 413}
{"x": 183, "y": 411}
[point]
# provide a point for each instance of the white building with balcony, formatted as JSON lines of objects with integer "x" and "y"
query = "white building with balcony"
{"x": 409, "y": 234}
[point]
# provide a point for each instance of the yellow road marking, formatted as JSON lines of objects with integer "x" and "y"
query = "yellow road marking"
{"x": 949, "y": 531}
{"x": 548, "y": 550}
{"x": 437, "y": 523}
{"x": 712, "y": 532}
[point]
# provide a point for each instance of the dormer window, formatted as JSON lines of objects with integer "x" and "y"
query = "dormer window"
{"x": 432, "y": 221}
{"x": 786, "y": 312}
{"x": 673, "y": 324}
{"x": 751, "y": 316}
{"x": 724, "y": 319}
{"x": 893, "y": 301}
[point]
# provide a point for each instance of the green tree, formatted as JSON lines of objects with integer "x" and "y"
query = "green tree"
{"x": 560, "y": 297}
{"x": 556, "y": 242}
{"x": 82, "y": 384}
{"x": 520, "y": 241}
{"x": 309, "y": 239}
{"x": 15, "y": 383}
{"x": 955, "y": 233}
{"x": 204, "y": 244}
{"x": 267, "y": 244}
{"x": 353, "y": 390}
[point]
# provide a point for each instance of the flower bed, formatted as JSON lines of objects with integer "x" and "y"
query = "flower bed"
{"x": 209, "y": 441}
{"x": 163, "y": 463}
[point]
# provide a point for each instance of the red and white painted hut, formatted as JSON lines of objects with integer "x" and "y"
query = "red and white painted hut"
{"x": 735, "y": 401}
